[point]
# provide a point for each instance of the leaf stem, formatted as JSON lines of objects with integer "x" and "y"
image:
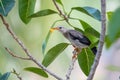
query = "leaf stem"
{"x": 48, "y": 35}
{"x": 70, "y": 24}
{"x": 56, "y": 22}
{"x": 74, "y": 18}
{"x": 69, "y": 13}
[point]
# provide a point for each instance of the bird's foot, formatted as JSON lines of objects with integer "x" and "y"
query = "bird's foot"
{"x": 74, "y": 56}
{"x": 75, "y": 53}
{"x": 77, "y": 50}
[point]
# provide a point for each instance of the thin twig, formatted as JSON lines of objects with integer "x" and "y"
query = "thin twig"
{"x": 17, "y": 74}
{"x": 12, "y": 54}
{"x": 60, "y": 12}
{"x": 101, "y": 42}
{"x": 71, "y": 67}
{"x": 13, "y": 35}
{"x": 26, "y": 50}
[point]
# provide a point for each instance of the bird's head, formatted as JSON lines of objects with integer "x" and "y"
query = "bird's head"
{"x": 61, "y": 29}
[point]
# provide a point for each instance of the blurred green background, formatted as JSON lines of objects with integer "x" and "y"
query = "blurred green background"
{"x": 34, "y": 33}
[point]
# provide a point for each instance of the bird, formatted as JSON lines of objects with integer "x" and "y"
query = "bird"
{"x": 76, "y": 38}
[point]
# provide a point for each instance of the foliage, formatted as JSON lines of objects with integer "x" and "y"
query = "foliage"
{"x": 87, "y": 28}
{"x": 113, "y": 27}
{"x": 26, "y": 8}
{"x": 86, "y": 58}
{"x": 5, "y": 76}
{"x": 56, "y": 50}
{"x": 42, "y": 13}
{"x": 53, "y": 53}
{"x": 95, "y": 13}
{"x": 37, "y": 71}
{"x": 109, "y": 14}
{"x": 6, "y": 6}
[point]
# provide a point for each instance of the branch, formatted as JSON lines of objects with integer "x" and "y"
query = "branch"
{"x": 14, "y": 36}
{"x": 26, "y": 50}
{"x": 17, "y": 74}
{"x": 101, "y": 42}
{"x": 71, "y": 65}
{"x": 60, "y": 12}
{"x": 12, "y": 54}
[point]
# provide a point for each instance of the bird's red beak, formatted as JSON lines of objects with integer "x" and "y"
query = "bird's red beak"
{"x": 52, "y": 29}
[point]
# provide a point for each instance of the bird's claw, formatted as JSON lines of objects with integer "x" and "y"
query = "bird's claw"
{"x": 75, "y": 53}
{"x": 74, "y": 56}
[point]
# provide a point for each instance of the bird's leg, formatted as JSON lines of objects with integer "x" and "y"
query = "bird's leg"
{"x": 74, "y": 56}
{"x": 75, "y": 52}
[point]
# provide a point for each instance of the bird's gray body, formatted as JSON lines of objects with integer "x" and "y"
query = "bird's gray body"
{"x": 76, "y": 38}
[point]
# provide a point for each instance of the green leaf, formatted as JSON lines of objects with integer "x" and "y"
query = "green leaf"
{"x": 95, "y": 13}
{"x": 94, "y": 44}
{"x": 45, "y": 42}
{"x": 114, "y": 26}
{"x": 43, "y": 13}
{"x": 5, "y": 76}
{"x": 89, "y": 32}
{"x": 109, "y": 15}
{"x": 87, "y": 28}
{"x": 78, "y": 29}
{"x": 92, "y": 38}
{"x": 53, "y": 53}
{"x": 26, "y": 8}
{"x": 88, "y": 35}
{"x": 85, "y": 60}
{"x": 113, "y": 68}
{"x": 37, "y": 71}
{"x": 0, "y": 74}
{"x": 6, "y": 6}
{"x": 93, "y": 32}
{"x": 108, "y": 42}
{"x": 59, "y": 1}
{"x": 84, "y": 24}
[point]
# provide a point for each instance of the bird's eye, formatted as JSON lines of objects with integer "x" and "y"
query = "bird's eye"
{"x": 60, "y": 27}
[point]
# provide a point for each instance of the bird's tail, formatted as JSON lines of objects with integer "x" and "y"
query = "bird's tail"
{"x": 94, "y": 50}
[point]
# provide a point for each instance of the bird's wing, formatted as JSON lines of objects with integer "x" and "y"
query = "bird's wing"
{"x": 75, "y": 35}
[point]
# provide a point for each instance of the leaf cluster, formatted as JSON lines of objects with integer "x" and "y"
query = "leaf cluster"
{"x": 86, "y": 58}
{"x": 4, "y": 76}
